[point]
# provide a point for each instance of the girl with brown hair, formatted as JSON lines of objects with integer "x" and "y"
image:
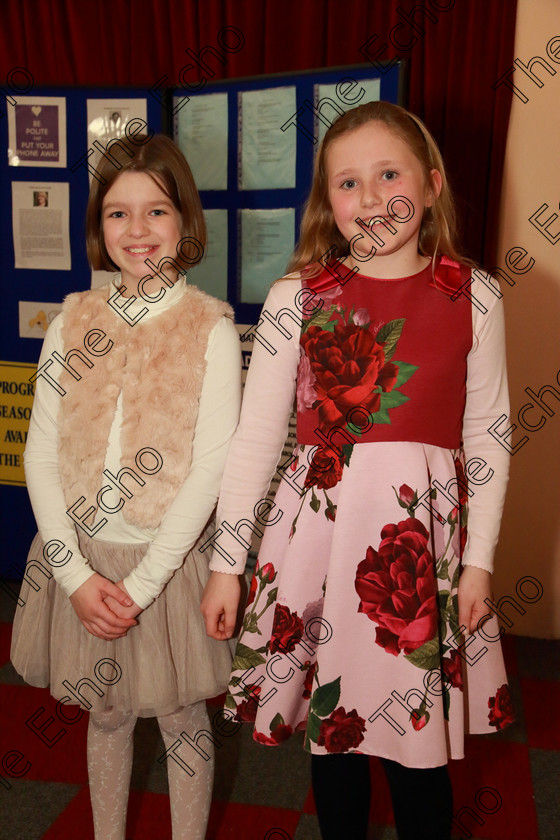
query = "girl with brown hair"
{"x": 137, "y": 397}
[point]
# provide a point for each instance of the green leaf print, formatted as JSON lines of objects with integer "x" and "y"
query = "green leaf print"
{"x": 453, "y": 610}
{"x": 321, "y": 319}
{"x": 443, "y": 603}
{"x": 443, "y": 571}
{"x": 456, "y": 575}
{"x": 348, "y": 448}
{"x": 392, "y": 400}
{"x": 250, "y": 623}
{"x": 313, "y": 727}
{"x": 245, "y": 658}
{"x": 405, "y": 372}
{"x": 381, "y": 416}
{"x": 390, "y": 334}
{"x": 325, "y": 698}
{"x": 270, "y": 598}
{"x": 277, "y": 720}
{"x": 427, "y": 656}
{"x": 229, "y": 702}
{"x": 315, "y": 503}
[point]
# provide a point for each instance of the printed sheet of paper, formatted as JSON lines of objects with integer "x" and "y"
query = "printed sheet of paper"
{"x": 40, "y": 225}
{"x": 267, "y": 241}
{"x": 35, "y": 317}
{"x": 202, "y": 135}
{"x": 211, "y": 275}
{"x": 268, "y": 154}
{"x": 107, "y": 119}
{"x": 37, "y": 131}
{"x": 372, "y": 92}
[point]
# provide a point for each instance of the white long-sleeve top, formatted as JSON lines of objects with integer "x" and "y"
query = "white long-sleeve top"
{"x": 196, "y": 498}
{"x": 268, "y": 402}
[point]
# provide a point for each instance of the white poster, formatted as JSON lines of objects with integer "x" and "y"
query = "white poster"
{"x": 37, "y": 131}
{"x": 268, "y": 154}
{"x": 40, "y": 225}
{"x": 202, "y": 135}
{"x": 372, "y": 92}
{"x": 211, "y": 274}
{"x": 35, "y": 317}
{"x": 108, "y": 119}
{"x": 267, "y": 242}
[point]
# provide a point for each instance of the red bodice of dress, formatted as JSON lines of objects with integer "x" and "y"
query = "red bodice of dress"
{"x": 385, "y": 360}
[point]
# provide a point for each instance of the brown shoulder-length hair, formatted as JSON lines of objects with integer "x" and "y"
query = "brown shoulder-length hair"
{"x": 318, "y": 230}
{"x": 159, "y": 157}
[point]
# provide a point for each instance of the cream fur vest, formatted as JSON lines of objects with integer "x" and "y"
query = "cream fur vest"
{"x": 159, "y": 365}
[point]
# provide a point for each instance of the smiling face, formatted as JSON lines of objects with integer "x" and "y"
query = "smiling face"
{"x": 366, "y": 168}
{"x": 139, "y": 221}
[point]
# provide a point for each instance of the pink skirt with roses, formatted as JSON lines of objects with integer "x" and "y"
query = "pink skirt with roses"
{"x": 351, "y": 630}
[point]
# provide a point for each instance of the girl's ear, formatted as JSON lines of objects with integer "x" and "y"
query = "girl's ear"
{"x": 434, "y": 189}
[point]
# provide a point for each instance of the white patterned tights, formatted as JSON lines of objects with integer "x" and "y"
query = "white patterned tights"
{"x": 109, "y": 751}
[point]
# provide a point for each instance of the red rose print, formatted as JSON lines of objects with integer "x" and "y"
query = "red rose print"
{"x": 252, "y": 590}
{"x": 308, "y": 683}
{"x": 501, "y": 708}
{"x": 361, "y": 317}
{"x": 419, "y": 719}
{"x": 325, "y": 470}
{"x": 306, "y": 393}
{"x": 341, "y": 732}
{"x": 348, "y": 365}
{"x": 287, "y": 630}
{"x": 247, "y": 709}
{"x": 406, "y": 494}
{"x": 281, "y": 733}
{"x": 397, "y": 588}
{"x": 452, "y": 669}
{"x": 328, "y": 296}
{"x": 268, "y": 573}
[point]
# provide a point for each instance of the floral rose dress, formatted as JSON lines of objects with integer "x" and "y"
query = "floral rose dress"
{"x": 351, "y": 630}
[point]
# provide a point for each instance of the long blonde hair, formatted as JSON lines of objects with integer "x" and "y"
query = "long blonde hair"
{"x": 318, "y": 230}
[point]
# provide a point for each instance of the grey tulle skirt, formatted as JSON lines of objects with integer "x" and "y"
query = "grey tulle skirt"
{"x": 164, "y": 662}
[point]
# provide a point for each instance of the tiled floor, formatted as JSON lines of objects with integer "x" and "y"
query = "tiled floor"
{"x": 507, "y": 788}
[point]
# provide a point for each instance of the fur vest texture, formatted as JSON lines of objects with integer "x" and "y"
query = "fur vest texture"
{"x": 159, "y": 365}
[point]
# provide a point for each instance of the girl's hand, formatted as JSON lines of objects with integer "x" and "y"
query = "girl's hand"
{"x": 123, "y": 612}
{"x": 89, "y": 603}
{"x": 474, "y": 587}
{"x": 219, "y": 604}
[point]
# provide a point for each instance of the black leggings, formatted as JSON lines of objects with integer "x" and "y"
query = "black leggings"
{"x": 422, "y": 798}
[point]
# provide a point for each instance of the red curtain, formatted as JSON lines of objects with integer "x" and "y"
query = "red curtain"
{"x": 455, "y": 51}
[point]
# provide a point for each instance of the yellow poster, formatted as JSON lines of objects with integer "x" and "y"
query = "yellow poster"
{"x": 16, "y": 399}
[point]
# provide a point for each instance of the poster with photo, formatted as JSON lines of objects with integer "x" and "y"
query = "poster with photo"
{"x": 37, "y": 131}
{"x": 107, "y": 120}
{"x": 40, "y": 216}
